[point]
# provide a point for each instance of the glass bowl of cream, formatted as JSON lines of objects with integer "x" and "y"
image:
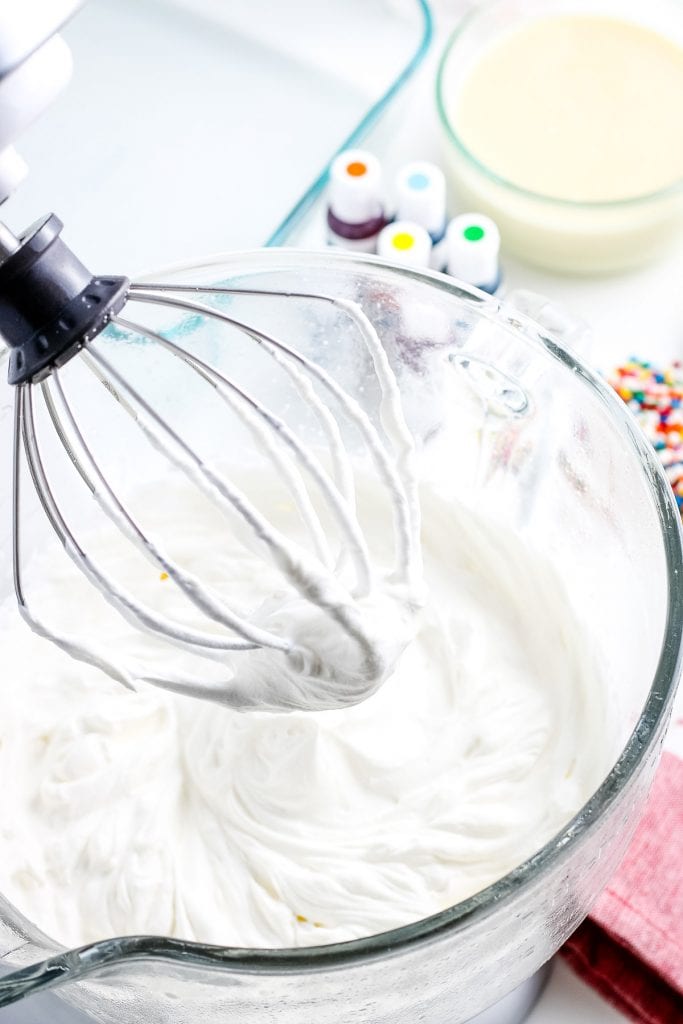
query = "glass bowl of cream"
{"x": 559, "y": 121}
{"x": 420, "y": 855}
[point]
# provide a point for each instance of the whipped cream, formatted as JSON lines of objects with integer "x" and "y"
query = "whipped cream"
{"x": 148, "y": 812}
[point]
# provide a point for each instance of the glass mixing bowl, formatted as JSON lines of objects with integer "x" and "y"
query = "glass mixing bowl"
{"x": 513, "y": 425}
{"x": 572, "y": 237}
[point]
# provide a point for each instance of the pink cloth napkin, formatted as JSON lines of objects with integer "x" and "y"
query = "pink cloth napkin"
{"x": 631, "y": 947}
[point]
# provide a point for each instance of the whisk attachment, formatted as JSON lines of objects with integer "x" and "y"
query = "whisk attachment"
{"x": 337, "y": 626}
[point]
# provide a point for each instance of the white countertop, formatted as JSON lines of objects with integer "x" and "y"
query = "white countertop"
{"x": 566, "y": 1000}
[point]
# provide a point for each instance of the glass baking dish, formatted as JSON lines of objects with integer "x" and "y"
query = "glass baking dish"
{"x": 197, "y": 126}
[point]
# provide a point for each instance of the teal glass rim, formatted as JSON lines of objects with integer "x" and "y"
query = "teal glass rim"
{"x": 595, "y": 206}
{"x": 67, "y": 966}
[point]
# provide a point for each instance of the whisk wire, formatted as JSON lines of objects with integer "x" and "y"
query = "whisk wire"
{"x": 122, "y": 518}
{"x": 204, "y": 644}
{"x": 217, "y": 487}
{"x": 307, "y": 578}
{"x": 227, "y": 389}
{"x": 391, "y": 410}
{"x": 87, "y": 654}
{"x": 398, "y": 482}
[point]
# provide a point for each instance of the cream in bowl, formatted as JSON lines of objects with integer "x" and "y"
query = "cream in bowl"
{"x": 561, "y": 124}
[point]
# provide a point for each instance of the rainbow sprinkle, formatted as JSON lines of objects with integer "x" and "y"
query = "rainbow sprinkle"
{"x": 655, "y": 397}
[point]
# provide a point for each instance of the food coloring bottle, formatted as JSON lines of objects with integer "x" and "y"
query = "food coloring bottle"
{"x": 406, "y": 243}
{"x": 421, "y": 198}
{"x": 356, "y": 213}
{"x": 473, "y": 244}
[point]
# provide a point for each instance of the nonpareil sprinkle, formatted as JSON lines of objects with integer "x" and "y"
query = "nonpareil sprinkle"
{"x": 655, "y": 398}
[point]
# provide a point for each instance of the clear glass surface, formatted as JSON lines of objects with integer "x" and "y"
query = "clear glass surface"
{"x": 572, "y": 237}
{"x": 510, "y": 423}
